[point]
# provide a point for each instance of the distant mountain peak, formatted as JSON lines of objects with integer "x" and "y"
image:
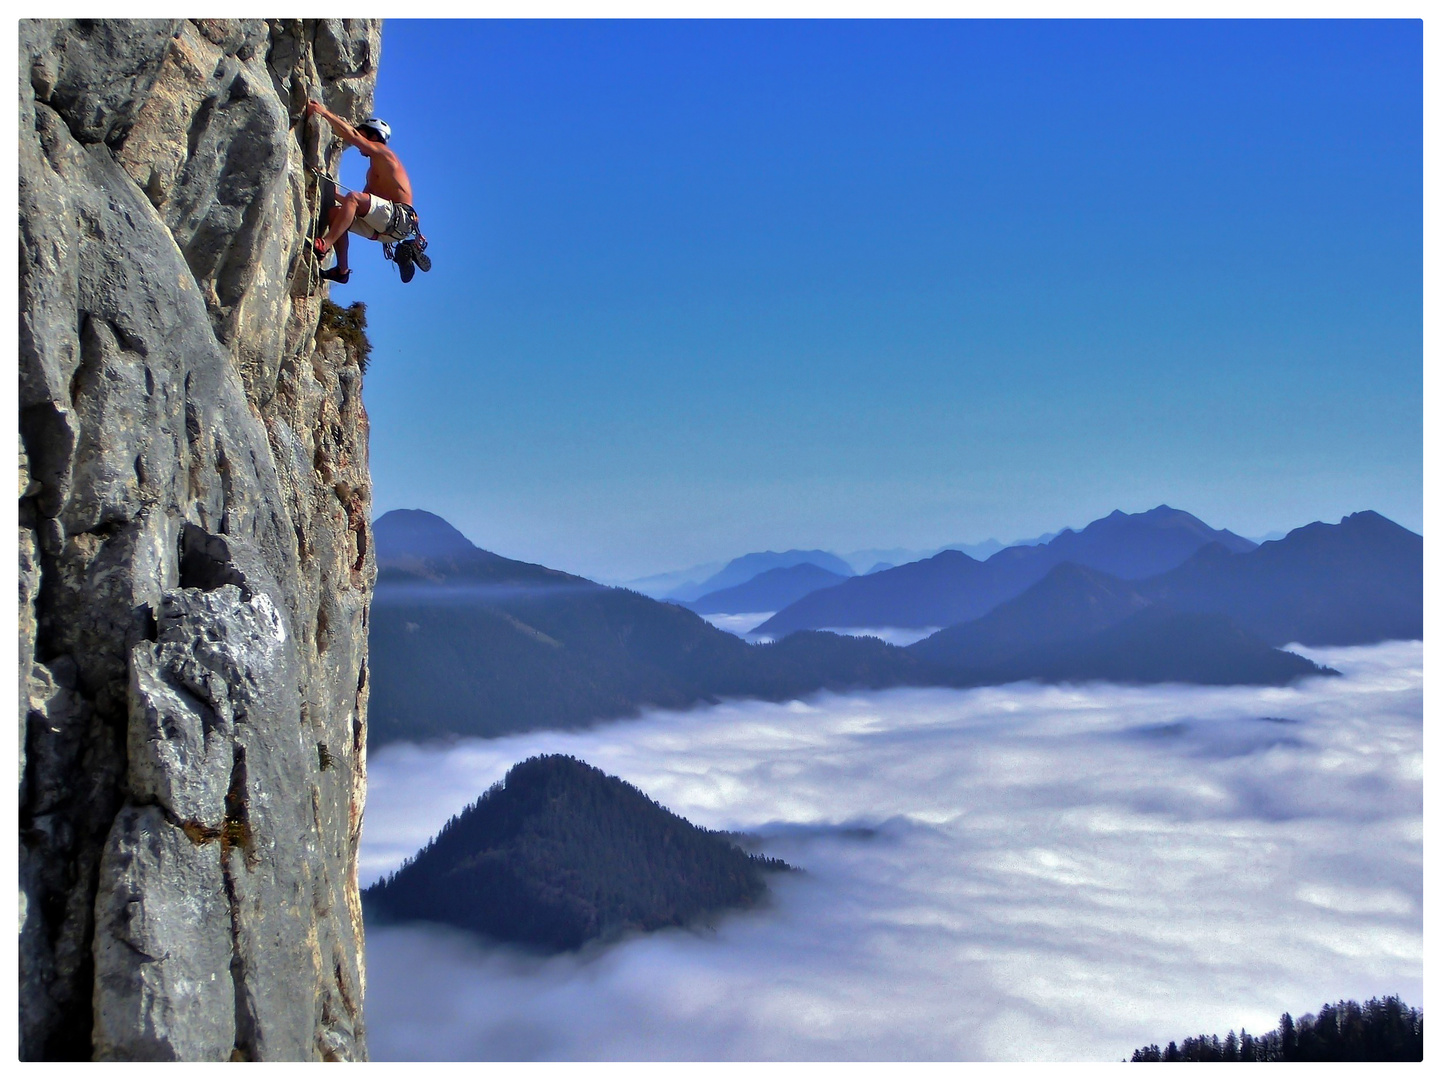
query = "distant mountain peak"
{"x": 745, "y": 568}
{"x": 416, "y": 545}
{"x": 1161, "y": 516}
{"x": 769, "y": 590}
{"x": 1371, "y": 519}
{"x": 1350, "y": 583}
{"x": 419, "y": 533}
{"x": 1361, "y": 524}
{"x": 951, "y": 555}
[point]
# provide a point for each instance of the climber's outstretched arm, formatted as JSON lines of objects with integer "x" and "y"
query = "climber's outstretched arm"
{"x": 345, "y": 131}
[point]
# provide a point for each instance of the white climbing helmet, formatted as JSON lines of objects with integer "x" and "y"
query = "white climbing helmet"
{"x": 379, "y": 126}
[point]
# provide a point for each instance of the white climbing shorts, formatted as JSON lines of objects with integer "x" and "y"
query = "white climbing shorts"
{"x": 385, "y": 221}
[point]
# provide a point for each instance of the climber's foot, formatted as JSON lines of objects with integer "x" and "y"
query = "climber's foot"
{"x": 404, "y": 256}
{"x": 422, "y": 260}
{"x": 337, "y": 275}
{"x": 321, "y": 247}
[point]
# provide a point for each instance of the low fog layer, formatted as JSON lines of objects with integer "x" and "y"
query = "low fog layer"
{"x": 1009, "y": 872}
{"x": 742, "y": 625}
{"x": 891, "y": 635}
{"x": 739, "y": 625}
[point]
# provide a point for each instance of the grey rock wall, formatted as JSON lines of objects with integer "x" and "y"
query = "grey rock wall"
{"x": 195, "y": 560}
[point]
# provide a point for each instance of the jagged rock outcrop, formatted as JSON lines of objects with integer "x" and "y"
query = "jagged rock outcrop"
{"x": 195, "y": 559}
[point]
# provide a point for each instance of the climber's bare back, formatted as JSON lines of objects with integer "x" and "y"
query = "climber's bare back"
{"x": 386, "y": 176}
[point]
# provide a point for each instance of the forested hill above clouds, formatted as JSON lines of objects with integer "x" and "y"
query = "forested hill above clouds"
{"x": 559, "y": 854}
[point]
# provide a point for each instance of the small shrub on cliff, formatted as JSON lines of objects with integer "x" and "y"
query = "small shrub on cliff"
{"x": 347, "y": 324}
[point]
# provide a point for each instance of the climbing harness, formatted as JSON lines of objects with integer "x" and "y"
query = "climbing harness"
{"x": 407, "y": 255}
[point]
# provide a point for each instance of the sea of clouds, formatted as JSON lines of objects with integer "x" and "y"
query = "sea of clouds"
{"x": 1018, "y": 872}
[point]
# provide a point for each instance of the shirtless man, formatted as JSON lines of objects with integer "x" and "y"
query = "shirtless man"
{"x": 382, "y": 212}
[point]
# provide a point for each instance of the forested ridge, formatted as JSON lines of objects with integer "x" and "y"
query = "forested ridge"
{"x": 1383, "y": 1029}
{"x": 559, "y": 853}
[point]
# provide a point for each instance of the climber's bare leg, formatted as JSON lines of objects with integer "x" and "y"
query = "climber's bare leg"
{"x": 345, "y": 212}
{"x": 342, "y": 253}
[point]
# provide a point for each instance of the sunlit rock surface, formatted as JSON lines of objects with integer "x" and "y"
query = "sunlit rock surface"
{"x": 195, "y": 564}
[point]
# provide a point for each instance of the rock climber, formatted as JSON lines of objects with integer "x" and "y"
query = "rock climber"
{"x": 383, "y": 211}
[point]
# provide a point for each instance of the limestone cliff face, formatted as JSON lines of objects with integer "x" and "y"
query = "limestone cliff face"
{"x": 195, "y": 559}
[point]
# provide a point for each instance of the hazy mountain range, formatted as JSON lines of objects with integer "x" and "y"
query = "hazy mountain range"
{"x": 1070, "y": 602}
{"x": 695, "y": 581}
{"x": 464, "y": 641}
{"x": 691, "y": 583}
{"x": 870, "y": 557}
{"x": 1354, "y": 582}
{"x": 747, "y": 567}
{"x": 467, "y": 642}
{"x": 1346, "y": 584}
{"x": 769, "y": 590}
{"x": 952, "y": 587}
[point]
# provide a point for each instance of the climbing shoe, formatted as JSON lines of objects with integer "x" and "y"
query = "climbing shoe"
{"x": 408, "y": 255}
{"x": 405, "y": 262}
{"x": 337, "y": 275}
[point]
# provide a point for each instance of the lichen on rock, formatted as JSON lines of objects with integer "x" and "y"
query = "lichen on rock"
{"x": 195, "y": 563}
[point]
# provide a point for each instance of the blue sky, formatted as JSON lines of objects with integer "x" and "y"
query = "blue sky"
{"x": 703, "y": 288}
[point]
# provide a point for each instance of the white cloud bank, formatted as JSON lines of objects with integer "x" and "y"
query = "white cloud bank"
{"x": 1010, "y": 872}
